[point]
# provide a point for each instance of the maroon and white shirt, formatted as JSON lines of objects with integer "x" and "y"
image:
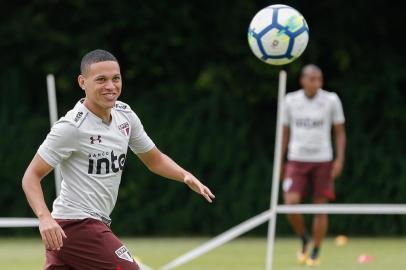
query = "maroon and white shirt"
{"x": 91, "y": 155}
{"x": 310, "y": 121}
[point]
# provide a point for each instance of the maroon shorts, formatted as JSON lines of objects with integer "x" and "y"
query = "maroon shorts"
{"x": 313, "y": 177}
{"x": 90, "y": 245}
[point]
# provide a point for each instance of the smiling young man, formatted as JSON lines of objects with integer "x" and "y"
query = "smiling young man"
{"x": 90, "y": 144}
{"x": 309, "y": 116}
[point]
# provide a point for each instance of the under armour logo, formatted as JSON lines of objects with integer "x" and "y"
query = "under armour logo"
{"x": 93, "y": 139}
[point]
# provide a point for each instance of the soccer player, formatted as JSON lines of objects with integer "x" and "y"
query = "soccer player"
{"x": 90, "y": 145}
{"x": 309, "y": 116}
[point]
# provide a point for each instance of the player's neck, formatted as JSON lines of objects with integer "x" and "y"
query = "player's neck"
{"x": 102, "y": 113}
{"x": 310, "y": 94}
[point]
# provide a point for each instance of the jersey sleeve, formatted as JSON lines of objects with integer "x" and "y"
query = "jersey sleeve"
{"x": 59, "y": 144}
{"x": 337, "y": 111}
{"x": 140, "y": 142}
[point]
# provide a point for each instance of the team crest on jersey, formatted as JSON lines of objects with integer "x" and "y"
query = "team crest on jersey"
{"x": 124, "y": 128}
{"x": 123, "y": 253}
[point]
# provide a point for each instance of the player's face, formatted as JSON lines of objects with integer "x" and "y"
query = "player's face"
{"x": 102, "y": 84}
{"x": 311, "y": 82}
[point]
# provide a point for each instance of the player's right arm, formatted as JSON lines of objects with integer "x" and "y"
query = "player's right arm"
{"x": 285, "y": 136}
{"x": 285, "y": 143}
{"x": 59, "y": 144}
{"x": 51, "y": 232}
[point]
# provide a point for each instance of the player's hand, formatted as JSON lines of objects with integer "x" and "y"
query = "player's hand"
{"x": 336, "y": 169}
{"x": 195, "y": 185}
{"x": 51, "y": 233}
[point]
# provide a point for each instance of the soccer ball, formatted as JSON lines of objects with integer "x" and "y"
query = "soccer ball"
{"x": 278, "y": 34}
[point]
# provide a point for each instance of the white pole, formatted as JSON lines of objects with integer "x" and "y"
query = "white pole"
{"x": 18, "y": 222}
{"x": 219, "y": 240}
{"x": 276, "y": 170}
{"x": 53, "y": 117}
{"x": 144, "y": 266}
{"x": 347, "y": 209}
{"x": 350, "y": 209}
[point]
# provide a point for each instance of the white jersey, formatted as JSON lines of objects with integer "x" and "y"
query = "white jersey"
{"x": 91, "y": 155}
{"x": 310, "y": 121}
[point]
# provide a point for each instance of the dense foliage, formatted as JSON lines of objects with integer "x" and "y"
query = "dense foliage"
{"x": 207, "y": 102}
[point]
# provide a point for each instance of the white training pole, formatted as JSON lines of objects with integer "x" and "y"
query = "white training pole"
{"x": 358, "y": 209}
{"x": 347, "y": 209}
{"x": 144, "y": 266}
{"x": 276, "y": 169}
{"x": 219, "y": 240}
{"x": 53, "y": 117}
{"x": 18, "y": 222}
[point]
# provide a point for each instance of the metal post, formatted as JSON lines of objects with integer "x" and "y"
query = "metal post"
{"x": 276, "y": 170}
{"x": 53, "y": 117}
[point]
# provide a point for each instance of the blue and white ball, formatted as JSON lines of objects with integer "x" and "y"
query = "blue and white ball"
{"x": 278, "y": 34}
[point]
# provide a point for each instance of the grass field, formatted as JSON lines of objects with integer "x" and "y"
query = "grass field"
{"x": 243, "y": 253}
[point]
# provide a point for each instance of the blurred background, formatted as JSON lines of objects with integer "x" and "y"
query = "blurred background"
{"x": 207, "y": 102}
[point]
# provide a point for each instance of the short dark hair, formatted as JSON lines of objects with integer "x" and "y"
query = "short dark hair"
{"x": 95, "y": 56}
{"x": 310, "y": 67}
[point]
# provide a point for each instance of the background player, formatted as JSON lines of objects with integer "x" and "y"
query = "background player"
{"x": 90, "y": 144}
{"x": 310, "y": 114}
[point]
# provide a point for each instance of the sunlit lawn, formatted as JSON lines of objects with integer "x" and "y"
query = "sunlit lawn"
{"x": 243, "y": 253}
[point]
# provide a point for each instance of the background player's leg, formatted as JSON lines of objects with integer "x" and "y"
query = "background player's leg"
{"x": 294, "y": 187}
{"x": 320, "y": 225}
{"x": 298, "y": 224}
{"x": 296, "y": 220}
{"x": 323, "y": 191}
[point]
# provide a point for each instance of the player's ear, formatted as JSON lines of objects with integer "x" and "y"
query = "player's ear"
{"x": 81, "y": 81}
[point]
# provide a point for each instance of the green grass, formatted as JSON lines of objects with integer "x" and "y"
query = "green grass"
{"x": 243, "y": 253}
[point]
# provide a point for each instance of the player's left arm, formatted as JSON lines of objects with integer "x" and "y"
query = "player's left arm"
{"x": 161, "y": 164}
{"x": 340, "y": 142}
